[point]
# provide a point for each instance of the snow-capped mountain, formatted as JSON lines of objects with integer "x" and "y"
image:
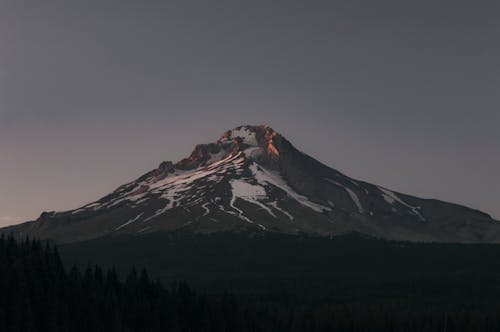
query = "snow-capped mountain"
{"x": 252, "y": 178}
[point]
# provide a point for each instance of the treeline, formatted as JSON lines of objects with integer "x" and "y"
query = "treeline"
{"x": 38, "y": 294}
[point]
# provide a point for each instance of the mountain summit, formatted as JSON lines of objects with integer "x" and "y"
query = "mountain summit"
{"x": 252, "y": 178}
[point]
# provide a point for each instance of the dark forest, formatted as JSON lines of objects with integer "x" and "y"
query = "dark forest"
{"x": 40, "y": 294}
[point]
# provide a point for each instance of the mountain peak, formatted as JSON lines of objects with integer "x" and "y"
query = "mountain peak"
{"x": 249, "y": 135}
{"x": 253, "y": 178}
{"x": 253, "y": 141}
{"x": 261, "y": 136}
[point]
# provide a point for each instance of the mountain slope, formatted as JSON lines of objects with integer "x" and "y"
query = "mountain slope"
{"x": 252, "y": 178}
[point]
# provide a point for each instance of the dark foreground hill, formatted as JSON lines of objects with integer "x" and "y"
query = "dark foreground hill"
{"x": 306, "y": 268}
{"x": 39, "y": 294}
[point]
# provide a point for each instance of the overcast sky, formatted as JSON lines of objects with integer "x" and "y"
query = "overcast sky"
{"x": 404, "y": 94}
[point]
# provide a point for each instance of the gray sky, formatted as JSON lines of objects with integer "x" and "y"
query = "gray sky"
{"x": 404, "y": 94}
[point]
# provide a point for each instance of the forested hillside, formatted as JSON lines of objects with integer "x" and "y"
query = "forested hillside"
{"x": 40, "y": 294}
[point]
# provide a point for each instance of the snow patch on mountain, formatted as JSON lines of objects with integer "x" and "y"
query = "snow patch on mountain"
{"x": 264, "y": 177}
{"x": 351, "y": 193}
{"x": 130, "y": 221}
{"x": 205, "y": 207}
{"x": 275, "y": 205}
{"x": 246, "y": 135}
{"x": 215, "y": 157}
{"x": 391, "y": 198}
{"x": 250, "y": 193}
{"x": 253, "y": 152}
{"x": 247, "y": 192}
{"x": 355, "y": 199}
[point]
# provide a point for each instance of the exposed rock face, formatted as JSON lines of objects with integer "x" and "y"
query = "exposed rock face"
{"x": 253, "y": 178}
